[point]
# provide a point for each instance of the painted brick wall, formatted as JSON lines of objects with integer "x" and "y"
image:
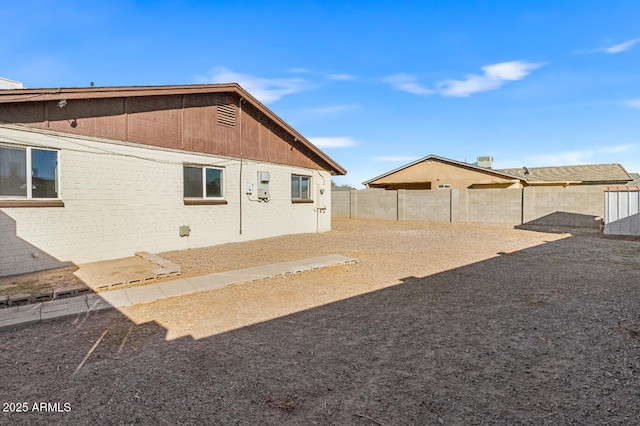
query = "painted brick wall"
{"x": 123, "y": 198}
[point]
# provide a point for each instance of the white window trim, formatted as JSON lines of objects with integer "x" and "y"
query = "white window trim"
{"x": 29, "y": 173}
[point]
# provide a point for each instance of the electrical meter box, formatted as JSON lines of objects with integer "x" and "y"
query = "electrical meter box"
{"x": 263, "y": 185}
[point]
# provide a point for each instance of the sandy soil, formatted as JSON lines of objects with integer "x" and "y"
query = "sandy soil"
{"x": 436, "y": 324}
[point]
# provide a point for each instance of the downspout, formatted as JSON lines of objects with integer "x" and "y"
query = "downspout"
{"x": 241, "y": 161}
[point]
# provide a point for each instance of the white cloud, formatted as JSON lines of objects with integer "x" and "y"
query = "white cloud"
{"x": 331, "y": 110}
{"x": 341, "y": 77}
{"x": 299, "y": 70}
{"x": 396, "y": 158}
{"x": 622, "y": 46}
{"x": 335, "y": 142}
{"x": 633, "y": 103}
{"x": 563, "y": 158}
{"x": 610, "y": 50}
{"x": 266, "y": 90}
{"x": 577, "y": 157}
{"x": 494, "y": 76}
{"x": 615, "y": 149}
{"x": 407, "y": 83}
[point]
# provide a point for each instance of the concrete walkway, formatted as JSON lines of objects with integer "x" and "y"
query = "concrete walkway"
{"x": 25, "y": 314}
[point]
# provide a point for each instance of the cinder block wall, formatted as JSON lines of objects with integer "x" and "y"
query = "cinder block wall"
{"x": 341, "y": 204}
{"x": 375, "y": 204}
{"x": 427, "y": 205}
{"x": 579, "y": 206}
{"x": 495, "y": 206}
{"x": 123, "y": 198}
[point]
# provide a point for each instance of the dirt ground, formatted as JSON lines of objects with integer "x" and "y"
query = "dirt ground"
{"x": 462, "y": 324}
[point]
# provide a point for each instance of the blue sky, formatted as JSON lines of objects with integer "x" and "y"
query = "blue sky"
{"x": 375, "y": 84}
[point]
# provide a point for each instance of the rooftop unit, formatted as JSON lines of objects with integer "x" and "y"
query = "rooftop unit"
{"x": 486, "y": 162}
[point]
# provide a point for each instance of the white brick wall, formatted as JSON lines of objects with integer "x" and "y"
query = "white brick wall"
{"x": 122, "y": 198}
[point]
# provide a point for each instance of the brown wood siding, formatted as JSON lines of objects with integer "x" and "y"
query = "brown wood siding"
{"x": 255, "y": 140}
{"x": 297, "y": 155}
{"x": 199, "y": 126}
{"x": 26, "y": 113}
{"x": 155, "y": 121}
{"x": 103, "y": 119}
{"x": 278, "y": 147}
{"x": 187, "y": 122}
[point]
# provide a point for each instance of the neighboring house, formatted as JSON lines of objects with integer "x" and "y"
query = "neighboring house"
{"x": 636, "y": 179}
{"x": 433, "y": 172}
{"x": 99, "y": 173}
{"x": 590, "y": 174}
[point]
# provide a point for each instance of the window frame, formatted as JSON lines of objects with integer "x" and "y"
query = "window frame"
{"x": 204, "y": 199}
{"x": 300, "y": 198}
{"x": 29, "y": 200}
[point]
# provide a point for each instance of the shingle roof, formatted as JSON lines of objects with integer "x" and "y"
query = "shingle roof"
{"x": 590, "y": 173}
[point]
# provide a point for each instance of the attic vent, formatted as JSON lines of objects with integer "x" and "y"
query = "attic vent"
{"x": 226, "y": 114}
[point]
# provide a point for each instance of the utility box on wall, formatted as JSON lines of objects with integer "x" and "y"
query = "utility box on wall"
{"x": 184, "y": 231}
{"x": 263, "y": 185}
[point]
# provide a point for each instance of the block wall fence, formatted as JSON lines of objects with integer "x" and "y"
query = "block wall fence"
{"x": 574, "y": 206}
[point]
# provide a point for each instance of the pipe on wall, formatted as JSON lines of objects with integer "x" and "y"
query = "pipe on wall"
{"x": 241, "y": 161}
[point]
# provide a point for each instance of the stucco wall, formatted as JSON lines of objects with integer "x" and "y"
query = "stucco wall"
{"x": 123, "y": 198}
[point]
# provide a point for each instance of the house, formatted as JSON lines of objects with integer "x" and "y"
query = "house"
{"x": 99, "y": 173}
{"x": 433, "y": 172}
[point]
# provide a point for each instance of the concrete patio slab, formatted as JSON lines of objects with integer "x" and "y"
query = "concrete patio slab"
{"x": 176, "y": 288}
{"x": 24, "y": 314}
{"x": 144, "y": 294}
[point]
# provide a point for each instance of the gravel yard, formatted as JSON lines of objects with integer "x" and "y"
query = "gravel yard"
{"x": 438, "y": 323}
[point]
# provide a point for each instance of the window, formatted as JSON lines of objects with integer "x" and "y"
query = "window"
{"x": 30, "y": 173}
{"x": 300, "y": 188}
{"x": 203, "y": 182}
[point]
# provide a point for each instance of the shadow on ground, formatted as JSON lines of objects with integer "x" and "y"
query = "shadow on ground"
{"x": 516, "y": 339}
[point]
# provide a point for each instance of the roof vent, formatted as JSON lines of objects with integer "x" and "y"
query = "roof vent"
{"x": 226, "y": 114}
{"x": 486, "y": 162}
